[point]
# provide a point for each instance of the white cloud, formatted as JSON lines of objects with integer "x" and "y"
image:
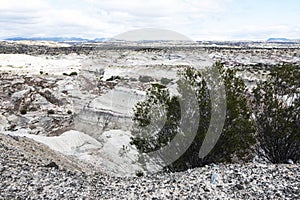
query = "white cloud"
{"x": 99, "y": 18}
{"x": 22, "y": 6}
{"x": 178, "y": 15}
{"x": 252, "y": 32}
{"x": 206, "y": 19}
{"x": 161, "y": 8}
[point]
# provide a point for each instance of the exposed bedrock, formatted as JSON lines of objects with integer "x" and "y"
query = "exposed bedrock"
{"x": 112, "y": 110}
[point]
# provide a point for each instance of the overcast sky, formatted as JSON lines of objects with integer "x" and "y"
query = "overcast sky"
{"x": 197, "y": 19}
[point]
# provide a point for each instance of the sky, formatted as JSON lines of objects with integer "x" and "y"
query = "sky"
{"x": 196, "y": 19}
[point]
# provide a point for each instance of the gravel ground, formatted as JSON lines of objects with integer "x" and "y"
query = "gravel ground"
{"x": 30, "y": 170}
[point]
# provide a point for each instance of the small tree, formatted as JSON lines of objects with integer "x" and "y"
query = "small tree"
{"x": 236, "y": 139}
{"x": 153, "y": 138}
{"x": 277, "y": 110}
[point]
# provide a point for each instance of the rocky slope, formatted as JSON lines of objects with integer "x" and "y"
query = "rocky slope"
{"x": 32, "y": 171}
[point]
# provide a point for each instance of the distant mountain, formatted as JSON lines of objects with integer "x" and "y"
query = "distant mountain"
{"x": 283, "y": 40}
{"x": 57, "y": 39}
{"x": 99, "y": 39}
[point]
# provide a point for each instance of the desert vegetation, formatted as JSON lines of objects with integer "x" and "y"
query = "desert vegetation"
{"x": 263, "y": 121}
{"x": 277, "y": 115}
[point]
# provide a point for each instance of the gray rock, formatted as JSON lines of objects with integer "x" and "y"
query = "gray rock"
{"x": 290, "y": 161}
{"x": 215, "y": 178}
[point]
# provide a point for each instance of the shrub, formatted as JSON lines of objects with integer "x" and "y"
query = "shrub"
{"x": 73, "y": 74}
{"x": 145, "y": 79}
{"x": 112, "y": 78}
{"x": 139, "y": 173}
{"x": 165, "y": 81}
{"x": 133, "y": 79}
{"x": 277, "y": 108}
{"x": 237, "y": 137}
{"x": 23, "y": 112}
{"x": 69, "y": 112}
{"x": 158, "y": 94}
{"x": 50, "y": 112}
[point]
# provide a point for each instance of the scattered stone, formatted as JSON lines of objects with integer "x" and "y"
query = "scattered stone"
{"x": 290, "y": 161}
{"x": 240, "y": 186}
{"x": 22, "y": 177}
{"x": 214, "y": 178}
{"x": 52, "y": 165}
{"x": 14, "y": 137}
